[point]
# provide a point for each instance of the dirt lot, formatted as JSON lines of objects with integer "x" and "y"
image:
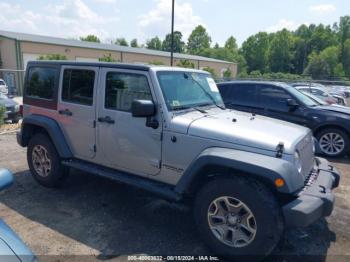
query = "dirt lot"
{"x": 92, "y": 218}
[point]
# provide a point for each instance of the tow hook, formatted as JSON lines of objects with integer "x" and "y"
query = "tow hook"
{"x": 323, "y": 189}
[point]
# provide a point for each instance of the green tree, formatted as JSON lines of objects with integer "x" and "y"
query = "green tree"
{"x": 134, "y": 43}
{"x": 227, "y": 73}
{"x": 198, "y": 40}
{"x": 343, "y": 32}
{"x": 90, "y": 38}
{"x": 281, "y": 52}
{"x": 52, "y": 57}
{"x": 322, "y": 37}
{"x": 231, "y": 44}
{"x": 155, "y": 43}
{"x": 185, "y": 63}
{"x": 331, "y": 56}
{"x": 317, "y": 68}
{"x": 345, "y": 57}
{"x": 178, "y": 43}
{"x": 210, "y": 70}
{"x": 107, "y": 58}
{"x": 255, "y": 51}
{"x": 121, "y": 41}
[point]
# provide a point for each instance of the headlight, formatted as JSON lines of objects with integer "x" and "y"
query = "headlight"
{"x": 297, "y": 161}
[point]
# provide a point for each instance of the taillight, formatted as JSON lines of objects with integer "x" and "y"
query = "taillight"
{"x": 21, "y": 110}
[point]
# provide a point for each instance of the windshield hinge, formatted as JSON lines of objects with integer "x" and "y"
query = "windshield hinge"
{"x": 279, "y": 149}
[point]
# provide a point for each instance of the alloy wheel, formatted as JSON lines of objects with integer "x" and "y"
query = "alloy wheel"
{"x": 231, "y": 221}
{"x": 332, "y": 143}
{"x": 41, "y": 161}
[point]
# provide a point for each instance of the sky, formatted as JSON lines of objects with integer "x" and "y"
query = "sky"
{"x": 144, "y": 19}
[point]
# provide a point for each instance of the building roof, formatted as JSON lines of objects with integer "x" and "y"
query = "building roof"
{"x": 109, "y": 47}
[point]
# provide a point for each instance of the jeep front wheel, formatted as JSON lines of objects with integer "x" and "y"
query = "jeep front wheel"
{"x": 238, "y": 218}
{"x": 44, "y": 162}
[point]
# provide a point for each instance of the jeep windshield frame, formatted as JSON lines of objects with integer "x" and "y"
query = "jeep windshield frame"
{"x": 184, "y": 90}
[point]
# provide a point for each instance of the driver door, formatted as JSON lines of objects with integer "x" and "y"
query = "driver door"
{"x": 125, "y": 142}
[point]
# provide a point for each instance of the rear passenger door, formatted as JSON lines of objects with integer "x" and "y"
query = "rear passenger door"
{"x": 241, "y": 97}
{"x": 76, "y": 108}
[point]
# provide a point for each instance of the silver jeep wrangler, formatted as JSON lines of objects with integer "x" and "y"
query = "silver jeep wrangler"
{"x": 166, "y": 130}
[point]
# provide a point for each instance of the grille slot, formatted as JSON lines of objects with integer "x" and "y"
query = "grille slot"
{"x": 305, "y": 149}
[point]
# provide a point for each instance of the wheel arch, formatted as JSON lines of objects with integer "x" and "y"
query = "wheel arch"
{"x": 37, "y": 123}
{"x": 321, "y": 128}
{"x": 215, "y": 162}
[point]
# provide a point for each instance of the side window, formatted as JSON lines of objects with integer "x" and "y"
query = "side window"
{"x": 241, "y": 95}
{"x": 78, "y": 86}
{"x": 123, "y": 88}
{"x": 41, "y": 82}
{"x": 274, "y": 98}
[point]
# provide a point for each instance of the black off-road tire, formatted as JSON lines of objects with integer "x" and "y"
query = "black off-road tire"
{"x": 339, "y": 132}
{"x": 261, "y": 202}
{"x": 57, "y": 173}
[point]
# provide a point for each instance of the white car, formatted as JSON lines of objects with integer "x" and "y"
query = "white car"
{"x": 3, "y": 87}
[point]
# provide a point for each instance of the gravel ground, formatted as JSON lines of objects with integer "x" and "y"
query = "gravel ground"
{"x": 94, "y": 219}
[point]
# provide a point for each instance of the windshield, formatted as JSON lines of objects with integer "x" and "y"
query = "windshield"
{"x": 183, "y": 90}
{"x": 315, "y": 98}
{"x": 2, "y": 83}
{"x": 307, "y": 101}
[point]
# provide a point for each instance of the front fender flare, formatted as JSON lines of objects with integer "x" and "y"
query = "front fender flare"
{"x": 259, "y": 166}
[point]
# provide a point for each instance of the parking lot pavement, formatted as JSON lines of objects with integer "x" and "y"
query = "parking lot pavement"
{"x": 91, "y": 218}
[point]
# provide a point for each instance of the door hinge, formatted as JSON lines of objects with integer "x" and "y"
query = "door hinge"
{"x": 95, "y": 148}
{"x": 94, "y": 124}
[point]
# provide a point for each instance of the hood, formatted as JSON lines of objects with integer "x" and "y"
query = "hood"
{"x": 335, "y": 108}
{"x": 244, "y": 129}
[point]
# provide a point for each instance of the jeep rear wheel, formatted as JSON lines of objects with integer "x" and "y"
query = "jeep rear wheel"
{"x": 238, "y": 218}
{"x": 44, "y": 162}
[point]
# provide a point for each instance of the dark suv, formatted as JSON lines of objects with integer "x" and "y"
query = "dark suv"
{"x": 330, "y": 124}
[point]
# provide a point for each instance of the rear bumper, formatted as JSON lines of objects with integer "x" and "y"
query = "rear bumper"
{"x": 316, "y": 200}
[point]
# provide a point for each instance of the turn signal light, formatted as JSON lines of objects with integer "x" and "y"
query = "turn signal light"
{"x": 279, "y": 182}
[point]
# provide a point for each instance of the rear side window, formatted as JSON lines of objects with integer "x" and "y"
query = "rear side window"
{"x": 123, "y": 88}
{"x": 78, "y": 86}
{"x": 41, "y": 82}
{"x": 239, "y": 94}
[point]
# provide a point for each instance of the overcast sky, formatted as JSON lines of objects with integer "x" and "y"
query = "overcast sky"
{"x": 143, "y": 19}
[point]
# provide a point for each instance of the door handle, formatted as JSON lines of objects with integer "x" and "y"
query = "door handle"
{"x": 66, "y": 112}
{"x": 106, "y": 119}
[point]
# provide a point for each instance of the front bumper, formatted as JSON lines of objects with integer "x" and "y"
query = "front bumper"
{"x": 316, "y": 200}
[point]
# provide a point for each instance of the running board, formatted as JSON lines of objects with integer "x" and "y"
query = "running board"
{"x": 158, "y": 188}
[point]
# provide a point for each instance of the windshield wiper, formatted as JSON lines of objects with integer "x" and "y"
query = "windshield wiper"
{"x": 176, "y": 108}
{"x": 205, "y": 92}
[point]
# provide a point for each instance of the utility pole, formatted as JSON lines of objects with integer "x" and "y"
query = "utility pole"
{"x": 172, "y": 34}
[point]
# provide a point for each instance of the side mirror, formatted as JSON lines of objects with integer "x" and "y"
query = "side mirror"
{"x": 292, "y": 103}
{"x": 143, "y": 108}
{"x": 6, "y": 178}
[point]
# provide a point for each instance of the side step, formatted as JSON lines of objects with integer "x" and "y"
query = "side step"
{"x": 158, "y": 188}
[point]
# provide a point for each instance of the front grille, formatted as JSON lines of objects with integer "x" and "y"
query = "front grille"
{"x": 310, "y": 179}
{"x": 305, "y": 149}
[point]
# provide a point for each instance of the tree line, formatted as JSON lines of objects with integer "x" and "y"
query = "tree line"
{"x": 318, "y": 51}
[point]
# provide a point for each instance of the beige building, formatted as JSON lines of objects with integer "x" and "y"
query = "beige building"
{"x": 16, "y": 49}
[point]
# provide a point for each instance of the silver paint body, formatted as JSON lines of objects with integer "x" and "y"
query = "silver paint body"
{"x": 129, "y": 145}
